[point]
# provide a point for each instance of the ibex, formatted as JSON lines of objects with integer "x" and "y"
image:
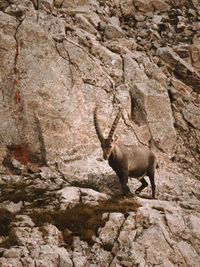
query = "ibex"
{"x": 127, "y": 160}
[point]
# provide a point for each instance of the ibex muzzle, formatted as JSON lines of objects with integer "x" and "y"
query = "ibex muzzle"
{"x": 127, "y": 160}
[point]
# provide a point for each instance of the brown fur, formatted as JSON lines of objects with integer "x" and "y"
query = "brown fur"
{"x": 128, "y": 160}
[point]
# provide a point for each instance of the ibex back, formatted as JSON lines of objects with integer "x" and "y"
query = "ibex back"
{"x": 127, "y": 160}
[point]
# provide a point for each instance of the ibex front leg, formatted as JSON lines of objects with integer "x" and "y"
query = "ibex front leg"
{"x": 123, "y": 178}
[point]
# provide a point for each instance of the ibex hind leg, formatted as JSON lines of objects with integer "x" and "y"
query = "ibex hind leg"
{"x": 151, "y": 174}
{"x": 153, "y": 186}
{"x": 144, "y": 184}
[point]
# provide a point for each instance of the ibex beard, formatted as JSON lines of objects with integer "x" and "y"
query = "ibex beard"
{"x": 127, "y": 160}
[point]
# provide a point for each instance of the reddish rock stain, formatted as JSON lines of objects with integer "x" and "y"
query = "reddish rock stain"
{"x": 17, "y": 97}
{"x": 139, "y": 217}
{"x": 15, "y": 82}
{"x": 182, "y": 90}
{"x": 21, "y": 154}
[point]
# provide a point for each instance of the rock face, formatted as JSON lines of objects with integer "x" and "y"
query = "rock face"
{"x": 60, "y": 204}
{"x": 152, "y": 100}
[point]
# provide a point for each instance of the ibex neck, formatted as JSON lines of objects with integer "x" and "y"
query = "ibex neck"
{"x": 116, "y": 153}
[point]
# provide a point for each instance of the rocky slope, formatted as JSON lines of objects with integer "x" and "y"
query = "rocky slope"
{"x": 60, "y": 202}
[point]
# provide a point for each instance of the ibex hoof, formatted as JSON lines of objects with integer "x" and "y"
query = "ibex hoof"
{"x": 137, "y": 192}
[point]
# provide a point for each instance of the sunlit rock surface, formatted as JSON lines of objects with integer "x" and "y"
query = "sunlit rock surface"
{"x": 60, "y": 203}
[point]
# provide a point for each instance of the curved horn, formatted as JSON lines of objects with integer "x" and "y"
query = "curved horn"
{"x": 96, "y": 125}
{"x": 114, "y": 125}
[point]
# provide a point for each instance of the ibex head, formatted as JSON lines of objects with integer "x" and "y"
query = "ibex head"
{"x": 106, "y": 143}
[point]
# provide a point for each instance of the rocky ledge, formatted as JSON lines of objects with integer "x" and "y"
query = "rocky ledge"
{"x": 46, "y": 221}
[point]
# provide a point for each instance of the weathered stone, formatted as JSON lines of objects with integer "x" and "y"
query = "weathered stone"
{"x": 193, "y": 224}
{"x": 17, "y": 252}
{"x": 74, "y": 3}
{"x": 132, "y": 72}
{"x": 100, "y": 256}
{"x": 92, "y": 197}
{"x": 160, "y": 4}
{"x": 144, "y": 5}
{"x": 51, "y": 255}
{"x": 109, "y": 233}
{"x": 10, "y": 262}
{"x": 111, "y": 61}
{"x": 183, "y": 69}
{"x": 191, "y": 114}
{"x": 52, "y": 235}
{"x": 121, "y": 46}
{"x": 195, "y": 56}
{"x": 155, "y": 234}
{"x": 113, "y": 32}
{"x": 157, "y": 19}
{"x": 127, "y": 8}
{"x": 93, "y": 18}
{"x": 64, "y": 257}
{"x": 139, "y": 17}
{"x": 69, "y": 196}
{"x": 84, "y": 23}
{"x": 41, "y": 142}
{"x": 114, "y": 21}
{"x": 192, "y": 12}
{"x": 28, "y": 261}
{"x": 23, "y": 221}
{"x": 79, "y": 255}
{"x": 154, "y": 103}
{"x": 183, "y": 52}
{"x": 149, "y": 6}
{"x": 8, "y": 26}
{"x": 128, "y": 232}
{"x": 190, "y": 256}
{"x": 25, "y": 236}
{"x": 47, "y": 5}
{"x": 196, "y": 26}
{"x": 11, "y": 206}
{"x": 176, "y": 229}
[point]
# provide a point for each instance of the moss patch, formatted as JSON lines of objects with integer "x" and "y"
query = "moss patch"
{"x": 5, "y": 218}
{"x": 83, "y": 220}
{"x": 22, "y": 191}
